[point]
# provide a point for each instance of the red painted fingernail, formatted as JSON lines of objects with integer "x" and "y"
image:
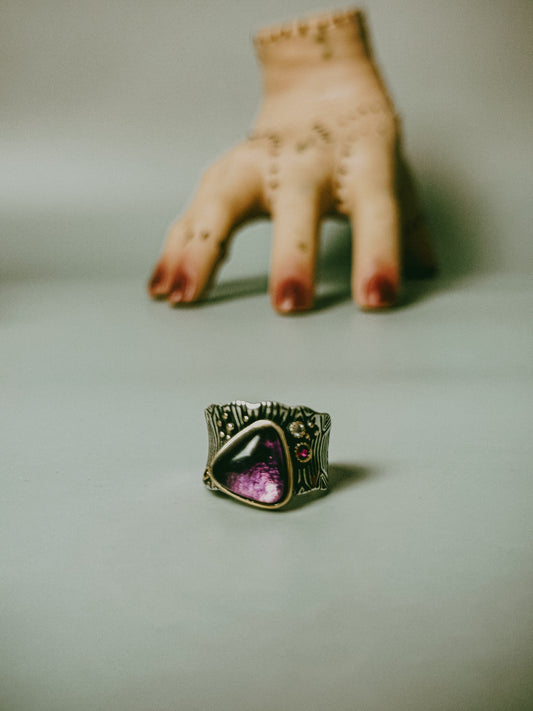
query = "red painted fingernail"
{"x": 292, "y": 295}
{"x": 380, "y": 291}
{"x": 156, "y": 279}
{"x": 181, "y": 289}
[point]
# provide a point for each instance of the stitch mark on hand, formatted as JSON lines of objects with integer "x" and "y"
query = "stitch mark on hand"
{"x": 322, "y": 131}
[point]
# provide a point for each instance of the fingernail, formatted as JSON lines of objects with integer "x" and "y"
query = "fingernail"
{"x": 292, "y": 295}
{"x": 182, "y": 289}
{"x": 380, "y": 292}
{"x": 155, "y": 281}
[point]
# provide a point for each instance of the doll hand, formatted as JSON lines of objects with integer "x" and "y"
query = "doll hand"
{"x": 326, "y": 142}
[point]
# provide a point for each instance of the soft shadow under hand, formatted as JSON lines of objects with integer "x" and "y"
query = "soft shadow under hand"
{"x": 331, "y": 296}
{"x": 237, "y": 289}
{"x": 455, "y": 218}
{"x": 333, "y": 268}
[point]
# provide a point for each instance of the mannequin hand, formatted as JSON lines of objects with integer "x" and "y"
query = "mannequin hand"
{"x": 326, "y": 142}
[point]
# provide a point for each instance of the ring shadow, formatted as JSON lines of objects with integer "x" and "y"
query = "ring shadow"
{"x": 454, "y": 221}
{"x": 340, "y": 476}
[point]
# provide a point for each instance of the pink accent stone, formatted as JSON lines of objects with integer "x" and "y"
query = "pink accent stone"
{"x": 255, "y": 467}
{"x": 302, "y": 452}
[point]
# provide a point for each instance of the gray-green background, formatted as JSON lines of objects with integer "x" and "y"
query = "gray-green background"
{"x": 124, "y": 584}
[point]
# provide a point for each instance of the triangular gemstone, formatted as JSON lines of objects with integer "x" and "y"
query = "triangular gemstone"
{"x": 255, "y": 467}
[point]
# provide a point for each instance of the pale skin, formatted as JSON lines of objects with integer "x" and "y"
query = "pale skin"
{"x": 326, "y": 142}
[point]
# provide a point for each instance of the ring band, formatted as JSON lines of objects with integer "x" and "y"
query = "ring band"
{"x": 265, "y": 453}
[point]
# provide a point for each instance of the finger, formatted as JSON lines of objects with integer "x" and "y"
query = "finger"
{"x": 296, "y": 219}
{"x": 374, "y": 215}
{"x": 418, "y": 255}
{"x": 164, "y": 274}
{"x": 229, "y": 193}
{"x": 202, "y": 252}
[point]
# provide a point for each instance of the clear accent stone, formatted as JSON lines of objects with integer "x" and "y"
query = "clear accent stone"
{"x": 297, "y": 429}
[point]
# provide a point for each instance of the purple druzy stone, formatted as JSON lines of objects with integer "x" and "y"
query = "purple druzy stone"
{"x": 255, "y": 468}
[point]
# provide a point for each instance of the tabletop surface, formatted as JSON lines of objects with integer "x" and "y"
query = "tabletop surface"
{"x": 126, "y": 584}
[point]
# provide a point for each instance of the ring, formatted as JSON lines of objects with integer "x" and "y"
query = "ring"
{"x": 265, "y": 453}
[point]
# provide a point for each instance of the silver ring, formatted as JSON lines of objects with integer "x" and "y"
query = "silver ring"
{"x": 265, "y": 453}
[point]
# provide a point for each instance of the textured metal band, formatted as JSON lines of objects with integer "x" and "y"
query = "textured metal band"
{"x": 225, "y": 421}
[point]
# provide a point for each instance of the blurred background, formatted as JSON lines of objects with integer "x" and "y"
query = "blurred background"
{"x": 110, "y": 111}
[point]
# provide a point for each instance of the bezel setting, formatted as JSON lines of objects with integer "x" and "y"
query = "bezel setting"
{"x": 303, "y": 452}
{"x": 233, "y": 443}
{"x": 288, "y": 461}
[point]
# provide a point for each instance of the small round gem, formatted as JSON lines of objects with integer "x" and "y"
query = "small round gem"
{"x": 297, "y": 429}
{"x": 230, "y": 427}
{"x": 303, "y": 452}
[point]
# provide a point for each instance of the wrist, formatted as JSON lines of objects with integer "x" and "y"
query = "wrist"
{"x": 320, "y": 46}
